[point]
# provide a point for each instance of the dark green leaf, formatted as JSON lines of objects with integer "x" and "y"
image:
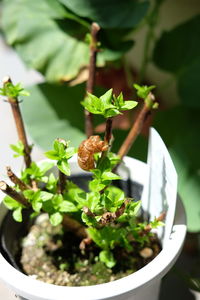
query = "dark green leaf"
{"x": 110, "y": 14}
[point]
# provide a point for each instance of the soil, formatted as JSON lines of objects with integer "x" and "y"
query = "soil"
{"x": 52, "y": 255}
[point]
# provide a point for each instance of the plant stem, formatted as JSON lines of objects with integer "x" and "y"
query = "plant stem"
{"x": 108, "y": 131}
{"x": 6, "y": 189}
{"x": 136, "y": 128}
{"x": 74, "y": 226}
{"x": 16, "y": 180}
{"x": 91, "y": 77}
{"x": 19, "y": 125}
{"x": 62, "y": 178}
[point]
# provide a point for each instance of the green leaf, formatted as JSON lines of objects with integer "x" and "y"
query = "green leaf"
{"x": 67, "y": 206}
{"x": 13, "y": 91}
{"x": 18, "y": 148}
{"x": 96, "y": 185}
{"x": 109, "y": 113}
{"x": 10, "y": 203}
{"x": 44, "y": 196}
{"x": 56, "y": 218}
{"x": 107, "y": 175}
{"x": 107, "y": 257}
{"x": 36, "y": 205}
{"x": 92, "y": 200}
{"x": 17, "y": 214}
{"x": 143, "y": 90}
{"x": 122, "y": 14}
{"x": 54, "y": 23}
{"x": 64, "y": 167}
{"x": 184, "y": 64}
{"x": 128, "y": 105}
{"x": 106, "y": 98}
{"x": 69, "y": 152}
{"x": 52, "y": 154}
{"x": 114, "y": 198}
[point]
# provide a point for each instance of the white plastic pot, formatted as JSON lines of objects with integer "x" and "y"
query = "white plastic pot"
{"x": 141, "y": 285}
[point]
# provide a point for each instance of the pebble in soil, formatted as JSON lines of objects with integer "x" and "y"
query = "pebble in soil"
{"x": 52, "y": 255}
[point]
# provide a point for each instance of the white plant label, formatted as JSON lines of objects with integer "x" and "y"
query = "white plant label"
{"x": 161, "y": 191}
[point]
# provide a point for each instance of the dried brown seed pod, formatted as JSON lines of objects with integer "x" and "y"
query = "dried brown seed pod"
{"x": 87, "y": 149}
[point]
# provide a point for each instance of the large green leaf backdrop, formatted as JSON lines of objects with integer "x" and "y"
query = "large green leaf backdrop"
{"x": 51, "y": 37}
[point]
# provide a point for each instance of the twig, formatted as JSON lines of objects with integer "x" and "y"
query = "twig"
{"x": 62, "y": 178}
{"x": 74, "y": 226}
{"x": 91, "y": 77}
{"x": 108, "y": 131}
{"x": 19, "y": 125}
{"x": 16, "y": 180}
{"x": 136, "y": 128}
{"x": 5, "y": 188}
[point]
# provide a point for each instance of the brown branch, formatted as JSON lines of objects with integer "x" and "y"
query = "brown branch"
{"x": 6, "y": 189}
{"x": 91, "y": 77}
{"x": 74, "y": 226}
{"x": 136, "y": 128}
{"x": 19, "y": 125}
{"x": 108, "y": 131}
{"x": 16, "y": 180}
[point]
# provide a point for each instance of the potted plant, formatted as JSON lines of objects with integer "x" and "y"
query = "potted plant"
{"x": 85, "y": 239}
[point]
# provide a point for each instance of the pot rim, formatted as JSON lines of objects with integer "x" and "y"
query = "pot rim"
{"x": 29, "y": 287}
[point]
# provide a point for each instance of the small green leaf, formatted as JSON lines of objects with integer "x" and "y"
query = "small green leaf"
{"x": 69, "y": 152}
{"x": 10, "y": 203}
{"x": 52, "y": 154}
{"x": 56, "y": 218}
{"x": 44, "y": 196}
{"x": 36, "y": 205}
{"x": 67, "y": 206}
{"x": 106, "y": 98}
{"x": 143, "y": 91}
{"x": 96, "y": 185}
{"x": 17, "y": 214}
{"x": 128, "y": 105}
{"x": 109, "y": 113}
{"x": 64, "y": 167}
{"x": 107, "y": 175}
{"x": 107, "y": 257}
{"x": 18, "y": 148}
